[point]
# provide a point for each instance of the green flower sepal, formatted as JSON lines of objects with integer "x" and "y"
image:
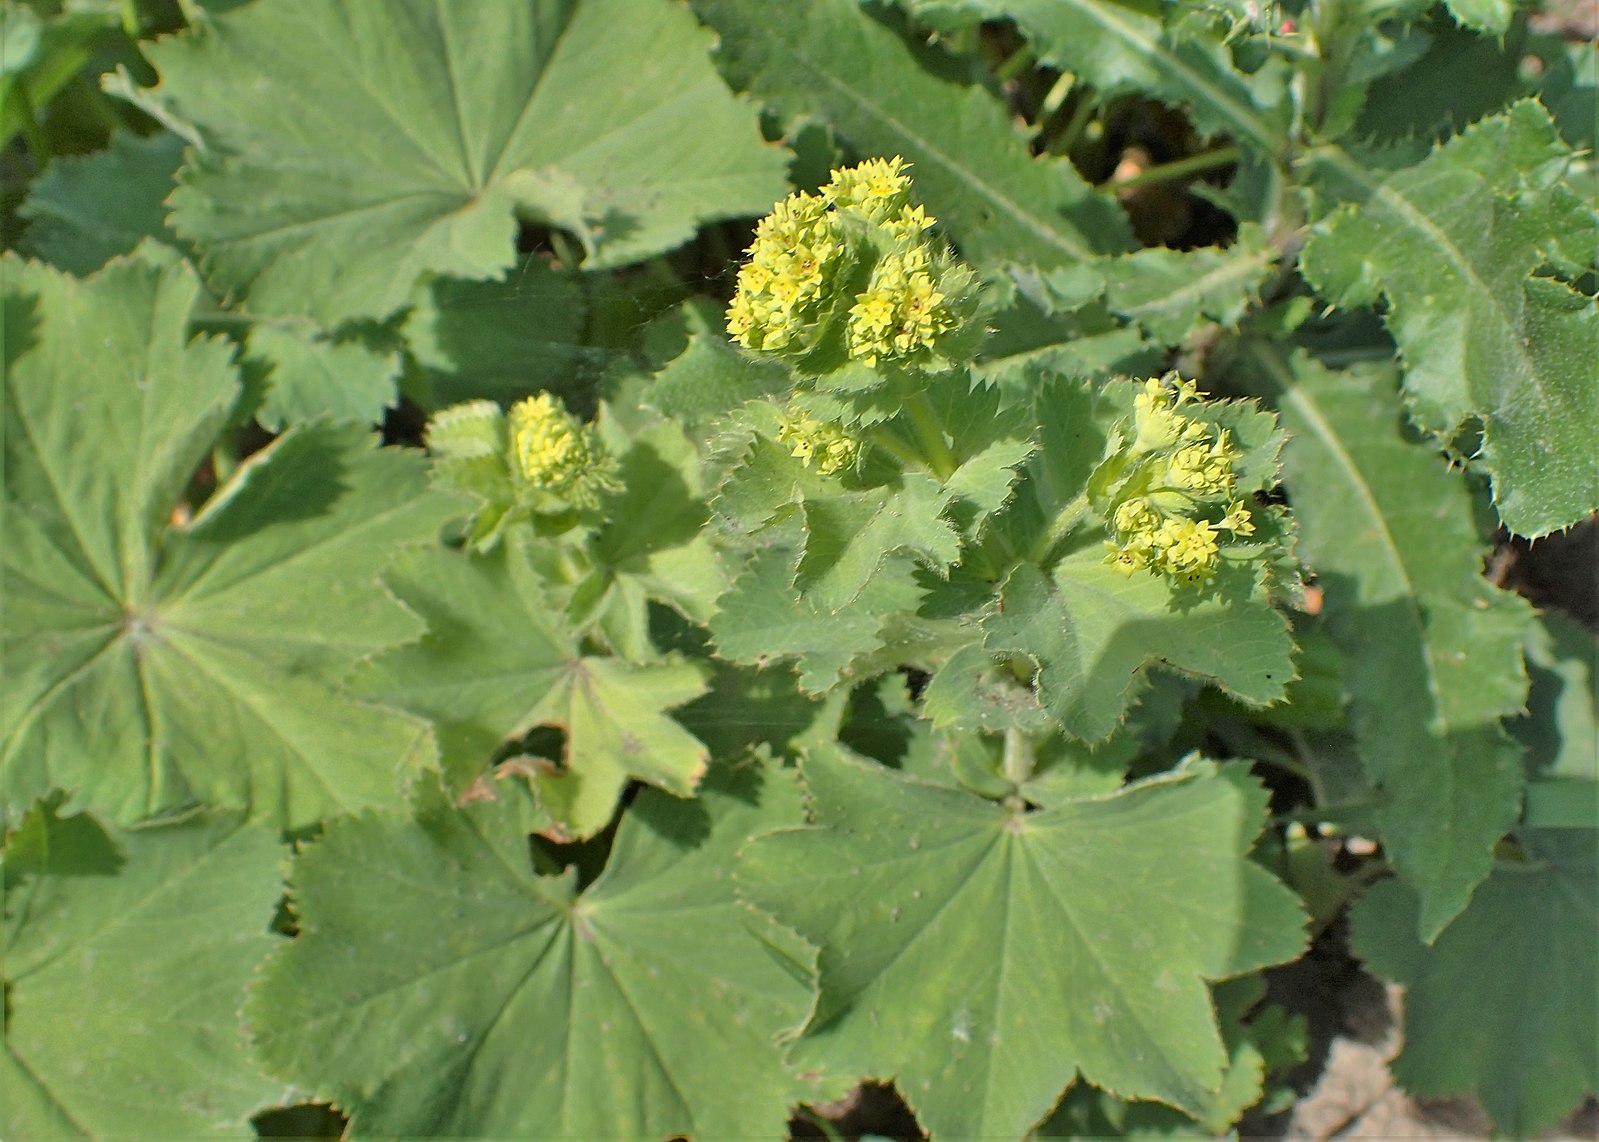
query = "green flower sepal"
{"x": 535, "y": 462}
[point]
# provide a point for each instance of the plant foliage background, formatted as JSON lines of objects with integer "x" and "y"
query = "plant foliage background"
{"x": 772, "y": 704}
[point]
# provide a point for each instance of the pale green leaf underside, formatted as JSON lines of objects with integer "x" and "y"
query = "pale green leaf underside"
{"x": 1506, "y": 1001}
{"x": 828, "y": 59}
{"x": 483, "y": 1000}
{"x": 1452, "y": 244}
{"x": 123, "y": 991}
{"x": 142, "y": 690}
{"x": 980, "y": 957}
{"x": 1435, "y": 651}
{"x": 359, "y": 146}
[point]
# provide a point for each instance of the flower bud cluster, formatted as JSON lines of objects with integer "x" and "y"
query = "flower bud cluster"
{"x": 551, "y": 452}
{"x": 820, "y": 441}
{"x": 535, "y": 458}
{"x": 1176, "y": 504}
{"x": 813, "y": 254}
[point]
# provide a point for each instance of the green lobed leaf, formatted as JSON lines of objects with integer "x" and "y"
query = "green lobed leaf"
{"x": 1093, "y": 632}
{"x": 849, "y": 527}
{"x": 85, "y": 210}
{"x": 150, "y": 665}
{"x": 1561, "y": 729}
{"x": 1426, "y": 100}
{"x": 327, "y": 126}
{"x": 1434, "y": 651}
{"x": 313, "y": 375}
{"x": 1057, "y": 324}
{"x": 850, "y": 537}
{"x": 127, "y": 957}
{"x": 979, "y": 956}
{"x": 829, "y": 60}
{"x": 1505, "y": 1002}
{"x": 497, "y": 662}
{"x": 762, "y": 619}
{"x": 1258, "y": 1039}
{"x": 1170, "y": 293}
{"x": 1453, "y": 244}
{"x": 440, "y": 987}
{"x": 710, "y": 377}
{"x": 1122, "y": 46}
{"x": 654, "y": 538}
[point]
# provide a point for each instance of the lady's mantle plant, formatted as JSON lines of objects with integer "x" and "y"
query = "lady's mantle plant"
{"x": 728, "y": 680}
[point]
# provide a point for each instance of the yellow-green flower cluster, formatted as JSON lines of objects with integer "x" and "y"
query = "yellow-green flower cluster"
{"x": 550, "y": 451}
{"x": 901, "y": 311}
{"x": 805, "y": 254}
{"x": 819, "y": 441}
{"x": 781, "y": 286}
{"x": 1179, "y": 503}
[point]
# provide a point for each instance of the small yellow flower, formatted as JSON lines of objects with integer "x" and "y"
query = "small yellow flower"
{"x": 823, "y": 442}
{"x": 1238, "y": 519}
{"x": 901, "y": 311}
{"x": 1205, "y": 470}
{"x": 879, "y": 188}
{"x": 1134, "y": 517}
{"x": 782, "y": 283}
{"x": 1183, "y": 548}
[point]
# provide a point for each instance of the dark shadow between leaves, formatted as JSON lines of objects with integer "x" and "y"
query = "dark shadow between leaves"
{"x": 45, "y": 844}
{"x": 684, "y": 823}
{"x": 299, "y": 477}
{"x": 20, "y": 322}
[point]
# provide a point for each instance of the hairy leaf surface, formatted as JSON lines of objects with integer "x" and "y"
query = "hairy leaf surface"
{"x": 434, "y": 124}
{"x": 312, "y": 375}
{"x": 439, "y": 986}
{"x": 149, "y": 664}
{"x": 1124, "y": 45}
{"x": 829, "y": 60}
{"x": 1455, "y": 244}
{"x": 501, "y": 340}
{"x": 85, "y": 210}
{"x": 1094, "y": 631}
{"x": 949, "y": 923}
{"x": 497, "y": 661}
{"x": 1434, "y": 650}
{"x": 127, "y": 957}
{"x": 1505, "y": 1002}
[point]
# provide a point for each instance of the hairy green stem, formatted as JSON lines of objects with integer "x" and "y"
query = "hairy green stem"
{"x": 1074, "y": 128}
{"x": 1014, "y": 64}
{"x": 1179, "y": 168}
{"x": 930, "y": 435}
{"x": 38, "y": 145}
{"x": 890, "y": 442}
{"x": 1018, "y": 758}
{"x": 1064, "y": 524}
